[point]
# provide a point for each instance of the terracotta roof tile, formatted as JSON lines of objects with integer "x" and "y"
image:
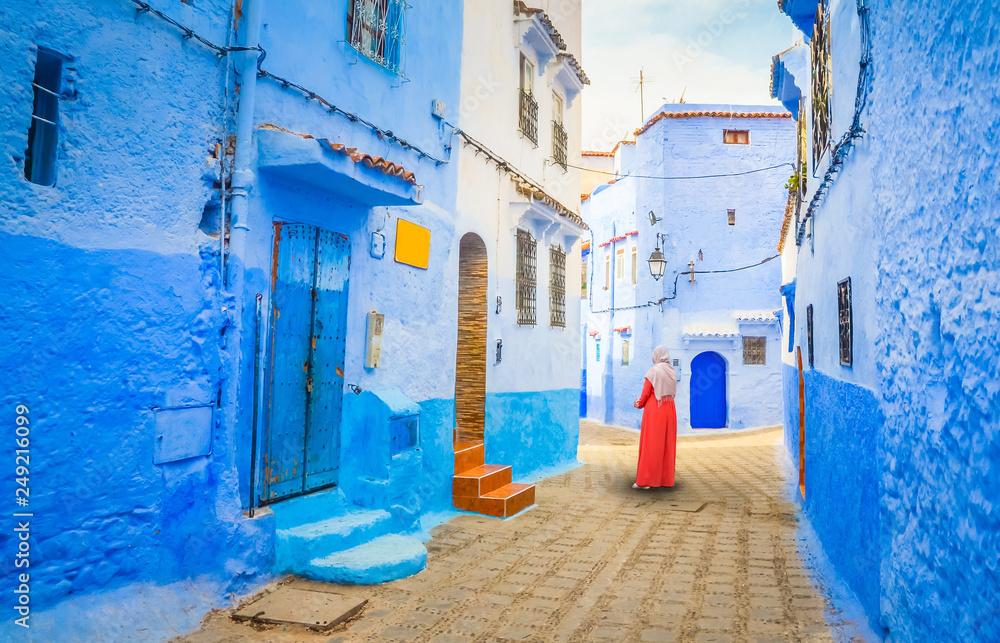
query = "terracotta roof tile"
{"x": 529, "y": 190}
{"x": 557, "y": 39}
{"x": 713, "y": 114}
{"x": 787, "y": 222}
{"x": 594, "y": 153}
{"x": 374, "y": 162}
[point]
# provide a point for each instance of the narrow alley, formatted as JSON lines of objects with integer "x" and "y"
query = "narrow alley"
{"x": 598, "y": 560}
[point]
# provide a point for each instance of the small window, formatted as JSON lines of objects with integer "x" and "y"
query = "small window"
{"x": 736, "y": 137}
{"x": 557, "y": 287}
{"x": 597, "y": 351}
{"x": 635, "y": 265}
{"x": 625, "y": 352}
{"x": 583, "y": 278}
{"x": 377, "y": 30}
{"x": 809, "y": 333}
{"x": 526, "y": 270}
{"x": 607, "y": 271}
{"x": 43, "y": 133}
{"x": 846, "y": 330}
{"x": 620, "y": 263}
{"x": 755, "y": 351}
{"x": 527, "y": 75}
{"x": 557, "y": 108}
{"x": 732, "y": 217}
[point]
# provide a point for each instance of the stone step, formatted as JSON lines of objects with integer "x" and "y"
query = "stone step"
{"x": 469, "y": 455}
{"x": 507, "y": 500}
{"x": 383, "y": 559}
{"x": 296, "y": 546}
{"x": 309, "y": 508}
{"x": 475, "y": 482}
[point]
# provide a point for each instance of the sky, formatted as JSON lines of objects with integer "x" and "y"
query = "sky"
{"x": 715, "y": 51}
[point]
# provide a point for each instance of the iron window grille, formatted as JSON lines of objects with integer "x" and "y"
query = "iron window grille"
{"x": 755, "y": 351}
{"x": 43, "y": 133}
{"x": 821, "y": 83}
{"x": 559, "y": 144}
{"x": 377, "y": 30}
{"x": 527, "y": 262}
{"x": 809, "y": 333}
{"x": 557, "y": 287}
{"x": 846, "y": 325}
{"x": 736, "y": 137}
{"x": 529, "y": 117}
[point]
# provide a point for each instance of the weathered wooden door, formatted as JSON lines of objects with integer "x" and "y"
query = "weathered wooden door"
{"x": 308, "y": 323}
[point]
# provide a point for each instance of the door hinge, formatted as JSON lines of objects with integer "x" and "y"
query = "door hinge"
{"x": 309, "y": 385}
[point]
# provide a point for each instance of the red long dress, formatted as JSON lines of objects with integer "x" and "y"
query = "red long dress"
{"x": 657, "y": 441}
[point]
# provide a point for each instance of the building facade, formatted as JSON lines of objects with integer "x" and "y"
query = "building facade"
{"x": 714, "y": 306}
{"x": 237, "y": 288}
{"x": 888, "y": 254}
{"x": 518, "y": 211}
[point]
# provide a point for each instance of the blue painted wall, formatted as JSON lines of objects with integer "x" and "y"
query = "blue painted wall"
{"x": 901, "y": 446}
{"x": 113, "y": 305}
{"x": 532, "y": 431}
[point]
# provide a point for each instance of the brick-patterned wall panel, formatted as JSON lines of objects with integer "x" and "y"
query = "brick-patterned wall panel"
{"x": 470, "y": 362}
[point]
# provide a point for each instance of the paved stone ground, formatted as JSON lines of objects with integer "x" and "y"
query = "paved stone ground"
{"x": 596, "y": 560}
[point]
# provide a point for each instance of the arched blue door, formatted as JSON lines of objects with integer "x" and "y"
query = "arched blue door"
{"x": 708, "y": 391}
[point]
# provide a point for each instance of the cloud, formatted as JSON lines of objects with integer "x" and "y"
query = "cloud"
{"x": 719, "y": 50}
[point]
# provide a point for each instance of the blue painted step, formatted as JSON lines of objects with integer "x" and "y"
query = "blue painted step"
{"x": 384, "y": 559}
{"x": 296, "y": 546}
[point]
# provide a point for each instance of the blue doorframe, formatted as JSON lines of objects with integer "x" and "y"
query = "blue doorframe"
{"x": 306, "y": 362}
{"x": 709, "y": 409}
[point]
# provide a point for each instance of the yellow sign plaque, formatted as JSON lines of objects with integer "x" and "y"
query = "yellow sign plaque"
{"x": 413, "y": 244}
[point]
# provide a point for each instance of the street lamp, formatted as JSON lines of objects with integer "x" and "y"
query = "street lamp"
{"x": 657, "y": 262}
{"x": 653, "y": 219}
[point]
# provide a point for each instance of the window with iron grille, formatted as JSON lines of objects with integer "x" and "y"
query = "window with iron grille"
{"x": 845, "y": 317}
{"x": 736, "y": 136}
{"x": 821, "y": 83}
{"x": 527, "y": 261}
{"x": 809, "y": 333}
{"x": 43, "y": 133}
{"x": 755, "y": 351}
{"x": 557, "y": 287}
{"x": 528, "y": 112}
{"x": 377, "y": 30}
{"x": 559, "y": 144}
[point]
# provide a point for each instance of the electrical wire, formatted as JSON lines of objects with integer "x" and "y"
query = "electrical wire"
{"x": 681, "y": 178}
{"x": 190, "y": 34}
{"x": 676, "y": 277}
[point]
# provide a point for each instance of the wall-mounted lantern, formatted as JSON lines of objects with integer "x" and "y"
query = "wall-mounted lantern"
{"x": 653, "y": 219}
{"x": 657, "y": 262}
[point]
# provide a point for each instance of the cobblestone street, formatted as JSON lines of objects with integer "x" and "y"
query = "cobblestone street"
{"x": 597, "y": 560}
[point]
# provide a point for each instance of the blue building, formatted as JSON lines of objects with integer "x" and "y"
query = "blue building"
{"x": 890, "y": 269}
{"x": 234, "y": 242}
{"x": 715, "y": 305}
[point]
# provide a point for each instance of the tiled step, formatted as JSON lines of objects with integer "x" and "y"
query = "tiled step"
{"x": 480, "y": 480}
{"x": 469, "y": 455}
{"x": 384, "y": 559}
{"x": 296, "y": 546}
{"x": 507, "y": 500}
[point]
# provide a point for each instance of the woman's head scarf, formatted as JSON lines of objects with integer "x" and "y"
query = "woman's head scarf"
{"x": 662, "y": 375}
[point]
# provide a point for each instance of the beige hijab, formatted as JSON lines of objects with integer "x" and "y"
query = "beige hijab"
{"x": 662, "y": 375}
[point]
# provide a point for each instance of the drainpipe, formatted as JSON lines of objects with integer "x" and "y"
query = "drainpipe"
{"x": 241, "y": 182}
{"x": 243, "y": 175}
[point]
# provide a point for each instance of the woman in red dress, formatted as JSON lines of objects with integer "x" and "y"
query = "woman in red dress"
{"x": 658, "y": 439}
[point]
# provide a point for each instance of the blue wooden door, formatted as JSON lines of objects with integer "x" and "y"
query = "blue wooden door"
{"x": 309, "y": 313}
{"x": 708, "y": 391}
